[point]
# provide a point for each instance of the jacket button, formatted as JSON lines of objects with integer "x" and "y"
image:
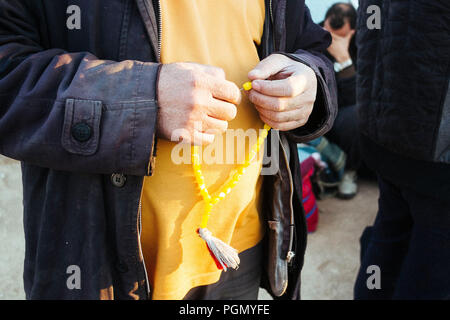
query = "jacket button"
{"x": 118, "y": 179}
{"x": 81, "y": 132}
{"x": 121, "y": 267}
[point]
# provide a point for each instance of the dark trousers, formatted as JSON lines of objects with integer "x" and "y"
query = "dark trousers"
{"x": 240, "y": 284}
{"x": 410, "y": 243}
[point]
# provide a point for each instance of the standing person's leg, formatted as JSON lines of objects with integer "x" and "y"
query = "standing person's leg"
{"x": 426, "y": 270}
{"x": 387, "y": 244}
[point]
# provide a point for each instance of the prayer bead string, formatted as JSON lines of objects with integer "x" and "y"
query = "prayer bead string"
{"x": 228, "y": 186}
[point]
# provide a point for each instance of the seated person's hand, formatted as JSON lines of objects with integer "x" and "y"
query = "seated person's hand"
{"x": 340, "y": 45}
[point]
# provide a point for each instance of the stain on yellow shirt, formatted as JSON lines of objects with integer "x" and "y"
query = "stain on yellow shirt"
{"x": 224, "y": 34}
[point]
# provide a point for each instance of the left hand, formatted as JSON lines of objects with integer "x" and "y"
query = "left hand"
{"x": 283, "y": 92}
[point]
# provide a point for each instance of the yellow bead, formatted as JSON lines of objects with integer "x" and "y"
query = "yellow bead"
{"x": 264, "y": 134}
{"x": 226, "y": 189}
{"x": 260, "y": 141}
{"x": 247, "y": 86}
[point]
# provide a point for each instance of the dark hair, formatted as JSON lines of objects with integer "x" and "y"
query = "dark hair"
{"x": 341, "y": 12}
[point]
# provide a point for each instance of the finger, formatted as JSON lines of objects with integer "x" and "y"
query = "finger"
{"x": 269, "y": 102}
{"x": 213, "y": 124}
{"x": 202, "y": 138}
{"x": 221, "y": 110}
{"x": 282, "y": 126}
{"x": 284, "y": 116}
{"x": 224, "y": 90}
{"x": 268, "y": 67}
{"x": 289, "y": 87}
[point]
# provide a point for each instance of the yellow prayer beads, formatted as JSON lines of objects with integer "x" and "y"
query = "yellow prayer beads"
{"x": 247, "y": 86}
{"x": 228, "y": 186}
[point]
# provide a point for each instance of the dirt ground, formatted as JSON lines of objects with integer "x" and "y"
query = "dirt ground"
{"x": 332, "y": 256}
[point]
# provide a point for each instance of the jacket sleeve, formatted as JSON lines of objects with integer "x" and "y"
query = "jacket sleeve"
{"x": 72, "y": 111}
{"x": 308, "y": 48}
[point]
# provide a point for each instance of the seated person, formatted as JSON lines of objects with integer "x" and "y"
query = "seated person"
{"x": 340, "y": 21}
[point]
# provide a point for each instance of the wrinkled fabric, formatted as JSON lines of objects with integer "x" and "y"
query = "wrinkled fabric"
{"x": 403, "y": 77}
{"x": 82, "y": 187}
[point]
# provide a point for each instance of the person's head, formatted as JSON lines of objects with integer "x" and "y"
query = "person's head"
{"x": 341, "y": 18}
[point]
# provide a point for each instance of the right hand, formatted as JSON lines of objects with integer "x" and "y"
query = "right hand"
{"x": 192, "y": 95}
{"x": 339, "y": 47}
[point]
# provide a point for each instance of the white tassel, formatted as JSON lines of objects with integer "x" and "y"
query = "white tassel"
{"x": 225, "y": 255}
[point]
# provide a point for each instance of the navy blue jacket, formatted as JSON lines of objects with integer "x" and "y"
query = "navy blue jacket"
{"x": 403, "y": 92}
{"x": 78, "y": 109}
{"x": 403, "y": 78}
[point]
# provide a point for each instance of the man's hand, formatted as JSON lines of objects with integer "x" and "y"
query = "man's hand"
{"x": 195, "y": 102}
{"x": 283, "y": 92}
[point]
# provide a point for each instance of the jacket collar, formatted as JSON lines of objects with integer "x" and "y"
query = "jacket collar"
{"x": 149, "y": 17}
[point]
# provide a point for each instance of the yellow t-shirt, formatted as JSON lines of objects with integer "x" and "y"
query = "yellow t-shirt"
{"x": 223, "y": 34}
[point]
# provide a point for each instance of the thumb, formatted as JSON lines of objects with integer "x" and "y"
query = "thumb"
{"x": 267, "y": 67}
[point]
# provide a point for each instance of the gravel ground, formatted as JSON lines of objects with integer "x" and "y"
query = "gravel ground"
{"x": 11, "y": 230}
{"x": 331, "y": 261}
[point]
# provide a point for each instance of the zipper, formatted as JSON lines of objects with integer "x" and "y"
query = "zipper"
{"x": 290, "y": 254}
{"x": 139, "y": 241}
{"x": 273, "y": 28}
{"x": 270, "y": 10}
{"x": 139, "y": 227}
{"x": 159, "y": 30}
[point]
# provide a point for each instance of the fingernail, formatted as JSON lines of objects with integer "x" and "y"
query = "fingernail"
{"x": 256, "y": 85}
{"x": 253, "y": 74}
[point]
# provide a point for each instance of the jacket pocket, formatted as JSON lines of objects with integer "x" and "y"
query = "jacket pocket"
{"x": 81, "y": 129}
